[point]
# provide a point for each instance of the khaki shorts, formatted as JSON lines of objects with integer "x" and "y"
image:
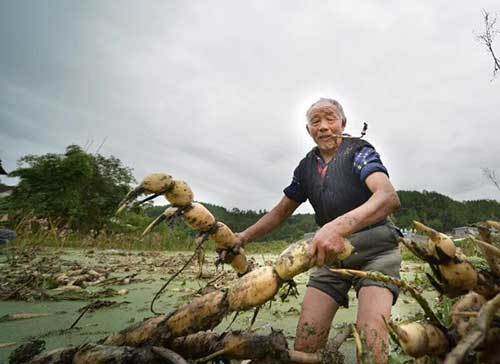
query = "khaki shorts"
{"x": 377, "y": 250}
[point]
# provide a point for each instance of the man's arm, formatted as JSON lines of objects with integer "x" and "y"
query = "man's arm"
{"x": 269, "y": 221}
{"x": 384, "y": 201}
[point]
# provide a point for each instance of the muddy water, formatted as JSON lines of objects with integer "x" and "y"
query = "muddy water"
{"x": 96, "y": 325}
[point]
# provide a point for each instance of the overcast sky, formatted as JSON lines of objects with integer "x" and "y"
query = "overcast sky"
{"x": 215, "y": 92}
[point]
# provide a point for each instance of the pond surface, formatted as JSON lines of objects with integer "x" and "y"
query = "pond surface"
{"x": 136, "y": 303}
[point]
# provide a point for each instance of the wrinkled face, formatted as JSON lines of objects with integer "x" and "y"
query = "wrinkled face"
{"x": 324, "y": 123}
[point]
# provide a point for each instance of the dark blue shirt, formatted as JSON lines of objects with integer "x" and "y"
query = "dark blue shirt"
{"x": 366, "y": 162}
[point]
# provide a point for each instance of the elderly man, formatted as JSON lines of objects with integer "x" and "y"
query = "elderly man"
{"x": 349, "y": 188}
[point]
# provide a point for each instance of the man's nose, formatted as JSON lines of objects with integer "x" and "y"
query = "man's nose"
{"x": 324, "y": 125}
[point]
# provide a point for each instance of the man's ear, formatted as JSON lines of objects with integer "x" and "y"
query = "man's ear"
{"x": 307, "y": 128}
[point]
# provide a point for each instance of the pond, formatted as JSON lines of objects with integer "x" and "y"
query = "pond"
{"x": 152, "y": 269}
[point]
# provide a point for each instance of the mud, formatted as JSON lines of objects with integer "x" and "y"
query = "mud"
{"x": 141, "y": 274}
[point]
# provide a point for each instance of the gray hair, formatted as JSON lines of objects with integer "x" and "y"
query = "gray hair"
{"x": 332, "y": 102}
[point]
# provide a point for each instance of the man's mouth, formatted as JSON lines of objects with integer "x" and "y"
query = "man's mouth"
{"x": 325, "y": 137}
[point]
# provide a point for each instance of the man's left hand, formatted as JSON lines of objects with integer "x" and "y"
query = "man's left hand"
{"x": 326, "y": 243}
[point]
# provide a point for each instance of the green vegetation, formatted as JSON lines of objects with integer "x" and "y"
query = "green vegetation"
{"x": 70, "y": 199}
{"x": 441, "y": 212}
{"x": 431, "y": 208}
{"x": 293, "y": 229}
{"x": 76, "y": 189}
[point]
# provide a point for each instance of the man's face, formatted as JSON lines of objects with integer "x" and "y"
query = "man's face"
{"x": 325, "y": 122}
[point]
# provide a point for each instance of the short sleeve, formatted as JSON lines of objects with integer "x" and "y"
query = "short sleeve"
{"x": 366, "y": 162}
{"x": 296, "y": 189}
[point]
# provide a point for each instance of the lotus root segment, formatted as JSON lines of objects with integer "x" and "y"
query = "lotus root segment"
{"x": 243, "y": 345}
{"x": 253, "y": 289}
{"x": 240, "y": 263}
{"x": 494, "y": 224}
{"x": 462, "y": 275}
{"x": 294, "y": 260}
{"x": 202, "y": 313}
{"x": 180, "y": 194}
{"x": 235, "y": 344}
{"x": 157, "y": 183}
{"x": 101, "y": 354}
{"x": 56, "y": 356}
{"x": 346, "y": 253}
{"x": 442, "y": 247}
{"x": 223, "y": 236}
{"x": 419, "y": 339}
{"x": 138, "y": 334}
{"x": 439, "y": 245}
{"x": 297, "y": 259}
{"x": 199, "y": 218}
{"x": 195, "y": 345}
{"x": 471, "y": 302}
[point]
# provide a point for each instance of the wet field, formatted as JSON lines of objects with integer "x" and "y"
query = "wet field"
{"x": 129, "y": 280}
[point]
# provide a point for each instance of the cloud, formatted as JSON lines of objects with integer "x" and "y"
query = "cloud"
{"x": 215, "y": 94}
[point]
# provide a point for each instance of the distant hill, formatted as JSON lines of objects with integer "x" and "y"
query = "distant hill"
{"x": 432, "y": 208}
{"x": 441, "y": 212}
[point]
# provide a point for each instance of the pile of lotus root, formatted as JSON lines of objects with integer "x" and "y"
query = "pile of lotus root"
{"x": 185, "y": 334}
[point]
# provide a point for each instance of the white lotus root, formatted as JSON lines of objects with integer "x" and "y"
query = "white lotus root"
{"x": 459, "y": 275}
{"x": 199, "y": 218}
{"x": 439, "y": 245}
{"x": 253, "y": 289}
{"x": 157, "y": 183}
{"x": 180, "y": 194}
{"x": 419, "y": 339}
{"x": 201, "y": 313}
{"x": 240, "y": 263}
{"x": 297, "y": 259}
{"x": 460, "y": 318}
{"x": 223, "y": 236}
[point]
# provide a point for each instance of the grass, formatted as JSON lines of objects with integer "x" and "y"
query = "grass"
{"x": 161, "y": 240}
{"x": 124, "y": 233}
{"x": 408, "y": 256}
{"x": 267, "y": 247}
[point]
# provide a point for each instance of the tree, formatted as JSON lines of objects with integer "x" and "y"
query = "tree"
{"x": 491, "y": 176}
{"x": 487, "y": 38}
{"x": 441, "y": 212}
{"x": 76, "y": 188}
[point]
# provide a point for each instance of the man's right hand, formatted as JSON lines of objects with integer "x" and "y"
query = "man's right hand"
{"x": 327, "y": 242}
{"x": 226, "y": 255}
{"x": 241, "y": 240}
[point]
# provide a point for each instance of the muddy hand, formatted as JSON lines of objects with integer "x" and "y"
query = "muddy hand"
{"x": 227, "y": 255}
{"x": 326, "y": 246}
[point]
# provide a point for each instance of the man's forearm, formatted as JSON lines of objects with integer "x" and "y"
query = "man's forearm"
{"x": 270, "y": 221}
{"x": 265, "y": 225}
{"x": 380, "y": 205}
